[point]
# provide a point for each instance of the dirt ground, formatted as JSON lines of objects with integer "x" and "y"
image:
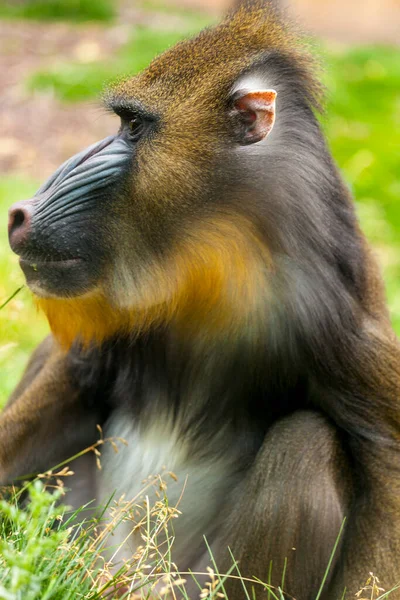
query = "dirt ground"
{"x": 350, "y": 21}
{"x": 25, "y": 117}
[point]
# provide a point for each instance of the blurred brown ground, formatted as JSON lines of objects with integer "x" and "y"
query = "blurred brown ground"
{"x": 354, "y": 21}
{"x": 37, "y": 132}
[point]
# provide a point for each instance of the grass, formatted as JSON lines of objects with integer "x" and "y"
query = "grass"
{"x": 43, "y": 10}
{"x": 61, "y": 555}
{"x": 21, "y": 327}
{"x": 50, "y": 552}
{"x": 363, "y": 114}
{"x": 42, "y": 563}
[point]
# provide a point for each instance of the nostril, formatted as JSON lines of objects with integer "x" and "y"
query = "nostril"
{"x": 19, "y": 220}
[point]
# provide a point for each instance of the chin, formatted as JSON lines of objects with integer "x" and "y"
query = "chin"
{"x": 57, "y": 279}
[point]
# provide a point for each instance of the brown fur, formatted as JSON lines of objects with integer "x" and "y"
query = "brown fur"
{"x": 45, "y": 406}
{"x": 190, "y": 69}
{"x": 284, "y": 341}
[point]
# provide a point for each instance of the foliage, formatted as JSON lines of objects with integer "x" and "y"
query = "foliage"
{"x": 363, "y": 114}
{"x": 74, "y": 10}
{"x": 37, "y": 560}
{"x": 50, "y": 553}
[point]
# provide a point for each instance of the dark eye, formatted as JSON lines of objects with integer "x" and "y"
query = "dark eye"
{"x": 136, "y": 127}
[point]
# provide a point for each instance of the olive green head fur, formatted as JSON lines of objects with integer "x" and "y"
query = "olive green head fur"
{"x": 188, "y": 221}
{"x": 203, "y": 69}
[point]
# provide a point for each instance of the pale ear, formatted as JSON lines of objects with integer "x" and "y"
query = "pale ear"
{"x": 254, "y": 114}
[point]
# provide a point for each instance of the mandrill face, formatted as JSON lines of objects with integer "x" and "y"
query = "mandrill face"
{"x": 147, "y": 226}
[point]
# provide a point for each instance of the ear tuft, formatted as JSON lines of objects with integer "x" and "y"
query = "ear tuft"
{"x": 255, "y": 113}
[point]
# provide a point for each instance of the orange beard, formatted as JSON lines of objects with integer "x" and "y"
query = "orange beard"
{"x": 91, "y": 318}
{"x": 213, "y": 282}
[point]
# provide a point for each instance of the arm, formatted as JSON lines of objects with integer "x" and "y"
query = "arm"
{"x": 45, "y": 421}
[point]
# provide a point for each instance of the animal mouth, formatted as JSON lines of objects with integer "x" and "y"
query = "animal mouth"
{"x": 59, "y": 277}
{"x": 35, "y": 264}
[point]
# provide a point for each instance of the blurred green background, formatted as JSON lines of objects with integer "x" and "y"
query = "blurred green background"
{"x": 59, "y": 53}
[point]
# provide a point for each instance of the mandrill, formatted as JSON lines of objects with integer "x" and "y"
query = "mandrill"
{"x": 213, "y": 301}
